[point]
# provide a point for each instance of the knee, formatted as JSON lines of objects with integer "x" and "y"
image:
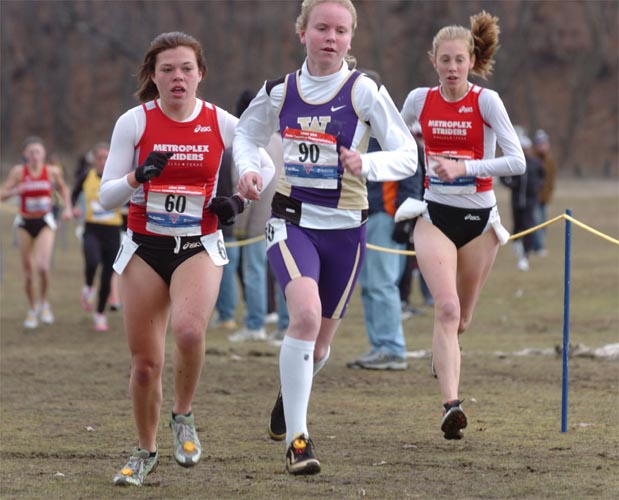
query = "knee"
{"x": 28, "y": 272}
{"x": 43, "y": 268}
{"x": 447, "y": 311}
{"x": 145, "y": 372}
{"x": 188, "y": 337}
{"x": 306, "y": 320}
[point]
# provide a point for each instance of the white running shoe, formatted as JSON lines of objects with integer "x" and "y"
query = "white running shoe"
{"x": 271, "y": 318}
{"x": 45, "y": 313}
{"x": 277, "y": 335}
{"x": 247, "y": 335}
{"x": 523, "y": 264}
{"x": 140, "y": 465}
{"x": 187, "y": 448}
{"x": 31, "y": 320}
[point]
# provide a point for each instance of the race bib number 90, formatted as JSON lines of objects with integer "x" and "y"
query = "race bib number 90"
{"x": 310, "y": 159}
{"x": 175, "y": 210}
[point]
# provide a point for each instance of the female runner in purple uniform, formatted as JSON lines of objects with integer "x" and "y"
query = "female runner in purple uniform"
{"x": 325, "y": 113}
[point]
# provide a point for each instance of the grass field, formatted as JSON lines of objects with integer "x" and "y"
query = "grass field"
{"x": 66, "y": 424}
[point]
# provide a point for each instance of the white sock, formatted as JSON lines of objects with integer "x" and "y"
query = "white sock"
{"x": 321, "y": 362}
{"x": 296, "y": 366}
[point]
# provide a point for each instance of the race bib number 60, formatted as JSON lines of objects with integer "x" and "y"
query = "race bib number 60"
{"x": 175, "y": 210}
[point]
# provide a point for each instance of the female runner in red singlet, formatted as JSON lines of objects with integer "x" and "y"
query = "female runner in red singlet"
{"x": 34, "y": 182}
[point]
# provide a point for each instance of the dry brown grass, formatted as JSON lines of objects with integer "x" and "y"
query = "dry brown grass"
{"x": 66, "y": 424}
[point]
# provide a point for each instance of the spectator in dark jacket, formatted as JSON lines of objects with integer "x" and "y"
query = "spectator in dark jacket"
{"x": 525, "y": 191}
{"x": 381, "y": 273}
{"x": 542, "y": 151}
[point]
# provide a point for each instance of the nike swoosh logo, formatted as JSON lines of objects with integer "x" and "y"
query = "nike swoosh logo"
{"x": 334, "y": 109}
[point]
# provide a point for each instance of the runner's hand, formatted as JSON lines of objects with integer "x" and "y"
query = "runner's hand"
{"x": 226, "y": 208}
{"x": 152, "y": 166}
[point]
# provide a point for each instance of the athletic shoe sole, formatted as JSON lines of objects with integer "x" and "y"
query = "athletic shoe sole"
{"x": 276, "y": 437}
{"x": 306, "y": 468}
{"x": 387, "y": 365}
{"x": 453, "y": 422}
{"x": 277, "y": 417}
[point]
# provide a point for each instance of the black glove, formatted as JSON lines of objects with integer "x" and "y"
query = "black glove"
{"x": 403, "y": 230}
{"x": 226, "y": 208}
{"x": 152, "y": 166}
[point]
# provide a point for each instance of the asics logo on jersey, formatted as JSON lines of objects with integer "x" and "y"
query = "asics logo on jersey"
{"x": 192, "y": 244}
{"x": 337, "y": 108}
{"x": 201, "y": 129}
{"x": 472, "y": 217}
{"x": 465, "y": 109}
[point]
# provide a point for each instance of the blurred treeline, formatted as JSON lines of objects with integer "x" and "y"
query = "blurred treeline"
{"x": 68, "y": 67}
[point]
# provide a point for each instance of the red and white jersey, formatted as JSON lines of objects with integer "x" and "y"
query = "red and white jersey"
{"x": 197, "y": 144}
{"x": 467, "y": 129}
{"x": 174, "y": 204}
{"x": 454, "y": 130}
{"x": 35, "y": 193}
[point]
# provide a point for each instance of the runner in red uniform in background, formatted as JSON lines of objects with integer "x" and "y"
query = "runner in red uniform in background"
{"x": 458, "y": 236}
{"x": 34, "y": 182}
